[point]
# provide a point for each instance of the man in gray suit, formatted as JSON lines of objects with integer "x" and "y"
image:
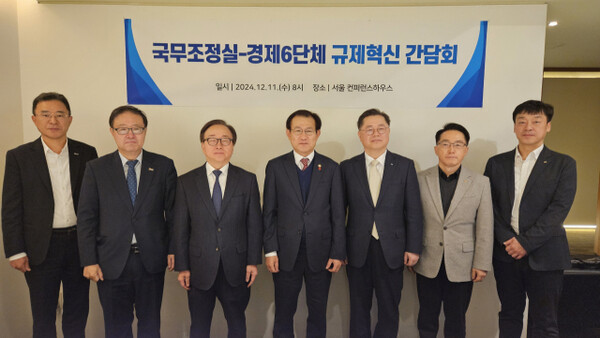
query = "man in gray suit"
{"x": 457, "y": 235}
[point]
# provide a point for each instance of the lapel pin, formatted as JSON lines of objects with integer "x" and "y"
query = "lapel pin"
{"x": 319, "y": 167}
{"x": 76, "y": 154}
{"x": 150, "y": 169}
{"x": 545, "y": 162}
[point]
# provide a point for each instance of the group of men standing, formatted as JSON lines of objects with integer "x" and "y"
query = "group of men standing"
{"x": 127, "y": 217}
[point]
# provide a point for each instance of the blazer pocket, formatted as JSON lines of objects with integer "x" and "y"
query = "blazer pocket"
{"x": 468, "y": 247}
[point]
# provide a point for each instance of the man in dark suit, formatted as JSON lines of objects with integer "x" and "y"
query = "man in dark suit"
{"x": 304, "y": 217}
{"x": 533, "y": 189}
{"x": 39, "y": 205}
{"x": 384, "y": 226}
{"x": 123, "y": 227}
{"x": 218, "y": 233}
{"x": 458, "y": 232}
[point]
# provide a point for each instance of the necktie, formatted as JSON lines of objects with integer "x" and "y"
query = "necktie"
{"x": 217, "y": 195}
{"x": 374, "y": 186}
{"x": 304, "y": 162}
{"x": 132, "y": 180}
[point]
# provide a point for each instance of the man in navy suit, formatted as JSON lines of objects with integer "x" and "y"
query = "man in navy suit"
{"x": 125, "y": 216}
{"x": 384, "y": 226}
{"x": 304, "y": 217}
{"x": 218, "y": 233}
{"x": 39, "y": 206}
{"x": 533, "y": 189}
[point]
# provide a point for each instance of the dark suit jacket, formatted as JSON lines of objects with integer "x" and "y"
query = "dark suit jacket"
{"x": 285, "y": 214}
{"x": 107, "y": 219}
{"x": 545, "y": 203}
{"x": 398, "y": 213}
{"x": 202, "y": 238}
{"x": 27, "y": 200}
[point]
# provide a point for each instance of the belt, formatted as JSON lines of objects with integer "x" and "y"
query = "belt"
{"x": 64, "y": 230}
{"x": 135, "y": 249}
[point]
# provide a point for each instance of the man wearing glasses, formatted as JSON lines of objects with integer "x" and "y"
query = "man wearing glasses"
{"x": 457, "y": 236}
{"x": 217, "y": 233}
{"x": 39, "y": 205}
{"x": 384, "y": 226}
{"x": 303, "y": 215}
{"x": 125, "y": 216}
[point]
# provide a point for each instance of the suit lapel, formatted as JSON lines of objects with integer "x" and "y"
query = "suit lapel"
{"x": 147, "y": 175}
{"x": 39, "y": 162}
{"x": 540, "y": 165}
{"x": 388, "y": 174}
{"x": 360, "y": 170}
{"x": 509, "y": 169}
{"x": 315, "y": 177}
{"x": 465, "y": 179}
{"x": 117, "y": 177}
{"x": 74, "y": 166}
{"x": 433, "y": 184}
{"x": 204, "y": 191}
{"x": 230, "y": 188}
{"x": 289, "y": 166}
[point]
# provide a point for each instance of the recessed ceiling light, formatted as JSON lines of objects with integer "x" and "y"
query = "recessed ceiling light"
{"x": 552, "y": 23}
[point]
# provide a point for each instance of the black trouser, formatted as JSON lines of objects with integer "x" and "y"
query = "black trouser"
{"x": 387, "y": 283}
{"x": 233, "y": 299}
{"x": 287, "y": 288}
{"x": 60, "y": 266}
{"x": 515, "y": 281}
{"x": 456, "y": 297}
{"x": 136, "y": 289}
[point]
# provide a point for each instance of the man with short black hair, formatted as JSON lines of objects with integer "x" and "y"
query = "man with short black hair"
{"x": 217, "y": 233}
{"x": 458, "y": 232}
{"x": 384, "y": 226}
{"x": 533, "y": 189}
{"x": 39, "y": 213}
{"x": 124, "y": 226}
{"x": 304, "y": 217}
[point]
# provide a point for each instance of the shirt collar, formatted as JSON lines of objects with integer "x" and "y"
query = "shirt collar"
{"x": 453, "y": 176}
{"x": 535, "y": 153}
{"x": 210, "y": 169}
{"x": 380, "y": 159}
{"x": 47, "y": 149}
{"x": 298, "y": 157}
{"x": 124, "y": 159}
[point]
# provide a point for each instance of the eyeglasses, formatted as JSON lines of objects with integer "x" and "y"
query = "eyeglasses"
{"x": 125, "y": 131}
{"x": 380, "y": 130}
{"x": 457, "y": 145}
{"x": 307, "y": 132}
{"x": 225, "y": 141}
{"x": 58, "y": 116}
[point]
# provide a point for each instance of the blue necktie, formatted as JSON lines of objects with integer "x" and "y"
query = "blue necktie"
{"x": 216, "y": 196}
{"x": 132, "y": 180}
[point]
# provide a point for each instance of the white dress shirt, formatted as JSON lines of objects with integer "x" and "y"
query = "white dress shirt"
{"x": 138, "y": 172}
{"x": 211, "y": 178}
{"x": 523, "y": 169}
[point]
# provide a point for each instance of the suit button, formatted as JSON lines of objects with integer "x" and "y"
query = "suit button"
{"x": 217, "y": 249}
{"x": 441, "y": 244}
{"x": 219, "y": 229}
{"x": 445, "y": 228}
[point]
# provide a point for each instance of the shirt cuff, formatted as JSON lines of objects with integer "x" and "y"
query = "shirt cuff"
{"x": 271, "y": 254}
{"x": 17, "y": 256}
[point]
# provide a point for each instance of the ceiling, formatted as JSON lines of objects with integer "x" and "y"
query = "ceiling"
{"x": 574, "y": 43}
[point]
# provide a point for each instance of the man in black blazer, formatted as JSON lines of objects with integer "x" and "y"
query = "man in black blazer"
{"x": 384, "y": 226}
{"x": 125, "y": 216}
{"x": 303, "y": 213}
{"x": 218, "y": 233}
{"x": 39, "y": 204}
{"x": 533, "y": 189}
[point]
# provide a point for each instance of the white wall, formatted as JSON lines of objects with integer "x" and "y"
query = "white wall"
{"x": 78, "y": 50}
